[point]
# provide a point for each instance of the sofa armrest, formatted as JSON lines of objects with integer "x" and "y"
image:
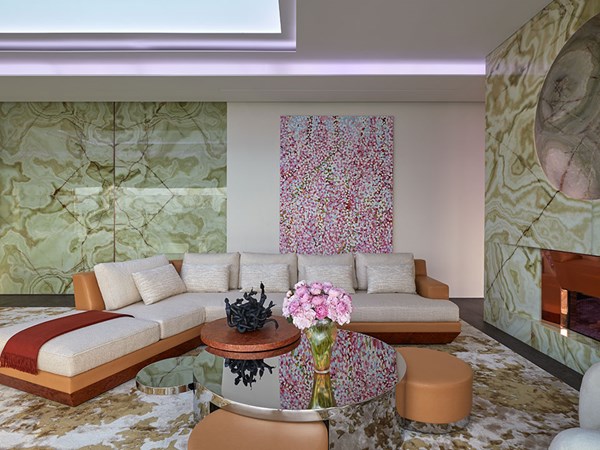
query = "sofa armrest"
{"x": 431, "y": 288}
{"x": 87, "y": 293}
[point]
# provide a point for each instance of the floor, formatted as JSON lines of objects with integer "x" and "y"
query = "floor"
{"x": 471, "y": 311}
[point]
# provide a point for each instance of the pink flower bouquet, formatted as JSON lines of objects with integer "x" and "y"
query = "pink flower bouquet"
{"x": 308, "y": 303}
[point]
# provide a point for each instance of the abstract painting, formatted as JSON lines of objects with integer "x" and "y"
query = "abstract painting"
{"x": 336, "y": 184}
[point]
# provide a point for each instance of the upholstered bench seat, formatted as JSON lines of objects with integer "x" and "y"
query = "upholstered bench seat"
{"x": 86, "y": 348}
{"x": 224, "y": 430}
{"x": 436, "y": 393}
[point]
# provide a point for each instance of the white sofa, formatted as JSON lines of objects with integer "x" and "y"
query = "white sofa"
{"x": 79, "y": 365}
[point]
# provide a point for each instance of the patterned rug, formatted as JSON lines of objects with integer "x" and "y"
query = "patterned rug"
{"x": 517, "y": 405}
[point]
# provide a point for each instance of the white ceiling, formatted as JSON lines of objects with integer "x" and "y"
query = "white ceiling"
{"x": 347, "y": 50}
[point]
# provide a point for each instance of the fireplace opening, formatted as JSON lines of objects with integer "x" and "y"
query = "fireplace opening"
{"x": 571, "y": 291}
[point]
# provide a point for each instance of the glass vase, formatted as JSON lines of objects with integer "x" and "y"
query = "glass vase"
{"x": 322, "y": 394}
{"x": 321, "y": 337}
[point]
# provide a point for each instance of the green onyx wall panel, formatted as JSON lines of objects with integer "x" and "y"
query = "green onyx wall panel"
{"x": 170, "y": 169}
{"x": 524, "y": 212}
{"x": 82, "y": 183}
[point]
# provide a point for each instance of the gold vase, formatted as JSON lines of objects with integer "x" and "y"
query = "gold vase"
{"x": 321, "y": 338}
{"x": 322, "y": 394}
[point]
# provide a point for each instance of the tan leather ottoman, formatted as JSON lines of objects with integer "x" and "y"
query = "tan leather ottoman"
{"x": 436, "y": 394}
{"x": 224, "y": 430}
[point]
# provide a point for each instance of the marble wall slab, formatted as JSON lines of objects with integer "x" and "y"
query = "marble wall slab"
{"x": 524, "y": 212}
{"x": 82, "y": 183}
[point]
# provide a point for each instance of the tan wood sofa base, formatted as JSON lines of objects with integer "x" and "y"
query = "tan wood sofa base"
{"x": 75, "y": 390}
{"x": 408, "y": 332}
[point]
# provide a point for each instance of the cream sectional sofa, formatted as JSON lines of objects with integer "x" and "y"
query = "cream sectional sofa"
{"x": 84, "y": 363}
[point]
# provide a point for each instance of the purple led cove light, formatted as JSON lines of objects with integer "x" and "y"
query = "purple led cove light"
{"x": 169, "y": 65}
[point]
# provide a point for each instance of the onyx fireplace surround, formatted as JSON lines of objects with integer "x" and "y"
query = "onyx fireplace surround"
{"x": 571, "y": 291}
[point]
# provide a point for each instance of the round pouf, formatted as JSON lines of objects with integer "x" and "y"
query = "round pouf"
{"x": 436, "y": 394}
{"x": 223, "y": 430}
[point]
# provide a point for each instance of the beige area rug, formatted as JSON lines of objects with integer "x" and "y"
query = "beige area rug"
{"x": 516, "y": 406}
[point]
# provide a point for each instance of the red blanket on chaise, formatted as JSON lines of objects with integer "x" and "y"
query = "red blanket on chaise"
{"x": 21, "y": 351}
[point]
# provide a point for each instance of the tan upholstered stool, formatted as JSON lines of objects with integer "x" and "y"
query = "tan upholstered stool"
{"x": 436, "y": 394}
{"x": 223, "y": 430}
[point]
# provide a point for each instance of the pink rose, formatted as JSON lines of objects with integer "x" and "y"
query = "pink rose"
{"x": 302, "y": 290}
{"x": 321, "y": 311}
{"x": 318, "y": 300}
{"x": 316, "y": 288}
{"x": 335, "y": 292}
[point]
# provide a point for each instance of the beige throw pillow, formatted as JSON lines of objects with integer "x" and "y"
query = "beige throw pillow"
{"x": 116, "y": 283}
{"x": 231, "y": 259}
{"x": 344, "y": 259}
{"x": 388, "y": 279}
{"x": 378, "y": 259}
{"x": 205, "y": 277}
{"x": 273, "y": 258}
{"x": 275, "y": 277}
{"x": 340, "y": 276}
{"x": 159, "y": 283}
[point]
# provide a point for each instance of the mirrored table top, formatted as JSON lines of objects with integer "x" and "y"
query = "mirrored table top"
{"x": 280, "y": 388}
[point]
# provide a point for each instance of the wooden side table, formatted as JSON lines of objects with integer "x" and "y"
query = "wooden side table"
{"x": 220, "y": 336}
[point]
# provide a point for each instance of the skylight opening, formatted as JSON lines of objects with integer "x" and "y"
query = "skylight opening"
{"x": 141, "y": 16}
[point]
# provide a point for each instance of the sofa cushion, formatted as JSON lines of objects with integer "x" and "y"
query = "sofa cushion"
{"x": 401, "y": 308}
{"x": 392, "y": 278}
{"x": 273, "y": 258}
{"x": 340, "y": 276}
{"x": 379, "y": 259}
{"x": 86, "y": 348}
{"x": 205, "y": 277}
{"x": 174, "y": 314}
{"x": 344, "y": 259}
{"x": 159, "y": 283}
{"x": 275, "y": 277}
{"x": 230, "y": 259}
{"x": 116, "y": 283}
{"x": 213, "y": 303}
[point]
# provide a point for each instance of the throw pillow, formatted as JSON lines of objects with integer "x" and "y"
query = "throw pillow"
{"x": 275, "y": 277}
{"x": 273, "y": 258}
{"x": 378, "y": 259}
{"x": 116, "y": 283}
{"x": 205, "y": 277}
{"x": 230, "y": 259}
{"x": 344, "y": 259}
{"x": 159, "y": 283}
{"x": 340, "y": 276}
{"x": 396, "y": 278}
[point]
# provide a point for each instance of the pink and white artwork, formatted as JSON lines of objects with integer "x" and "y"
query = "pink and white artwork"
{"x": 336, "y": 175}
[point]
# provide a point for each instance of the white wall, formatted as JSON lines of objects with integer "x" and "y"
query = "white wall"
{"x": 438, "y": 181}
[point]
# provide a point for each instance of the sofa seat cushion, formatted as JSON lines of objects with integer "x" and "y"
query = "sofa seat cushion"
{"x": 213, "y": 303}
{"x": 174, "y": 314}
{"x": 401, "y": 308}
{"x": 86, "y": 348}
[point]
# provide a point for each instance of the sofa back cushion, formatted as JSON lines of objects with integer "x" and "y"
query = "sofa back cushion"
{"x": 230, "y": 259}
{"x": 206, "y": 277}
{"x": 159, "y": 283}
{"x": 344, "y": 259}
{"x": 116, "y": 282}
{"x": 379, "y": 259}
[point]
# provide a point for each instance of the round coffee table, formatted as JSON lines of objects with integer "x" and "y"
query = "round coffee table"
{"x": 363, "y": 369}
{"x": 167, "y": 377}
